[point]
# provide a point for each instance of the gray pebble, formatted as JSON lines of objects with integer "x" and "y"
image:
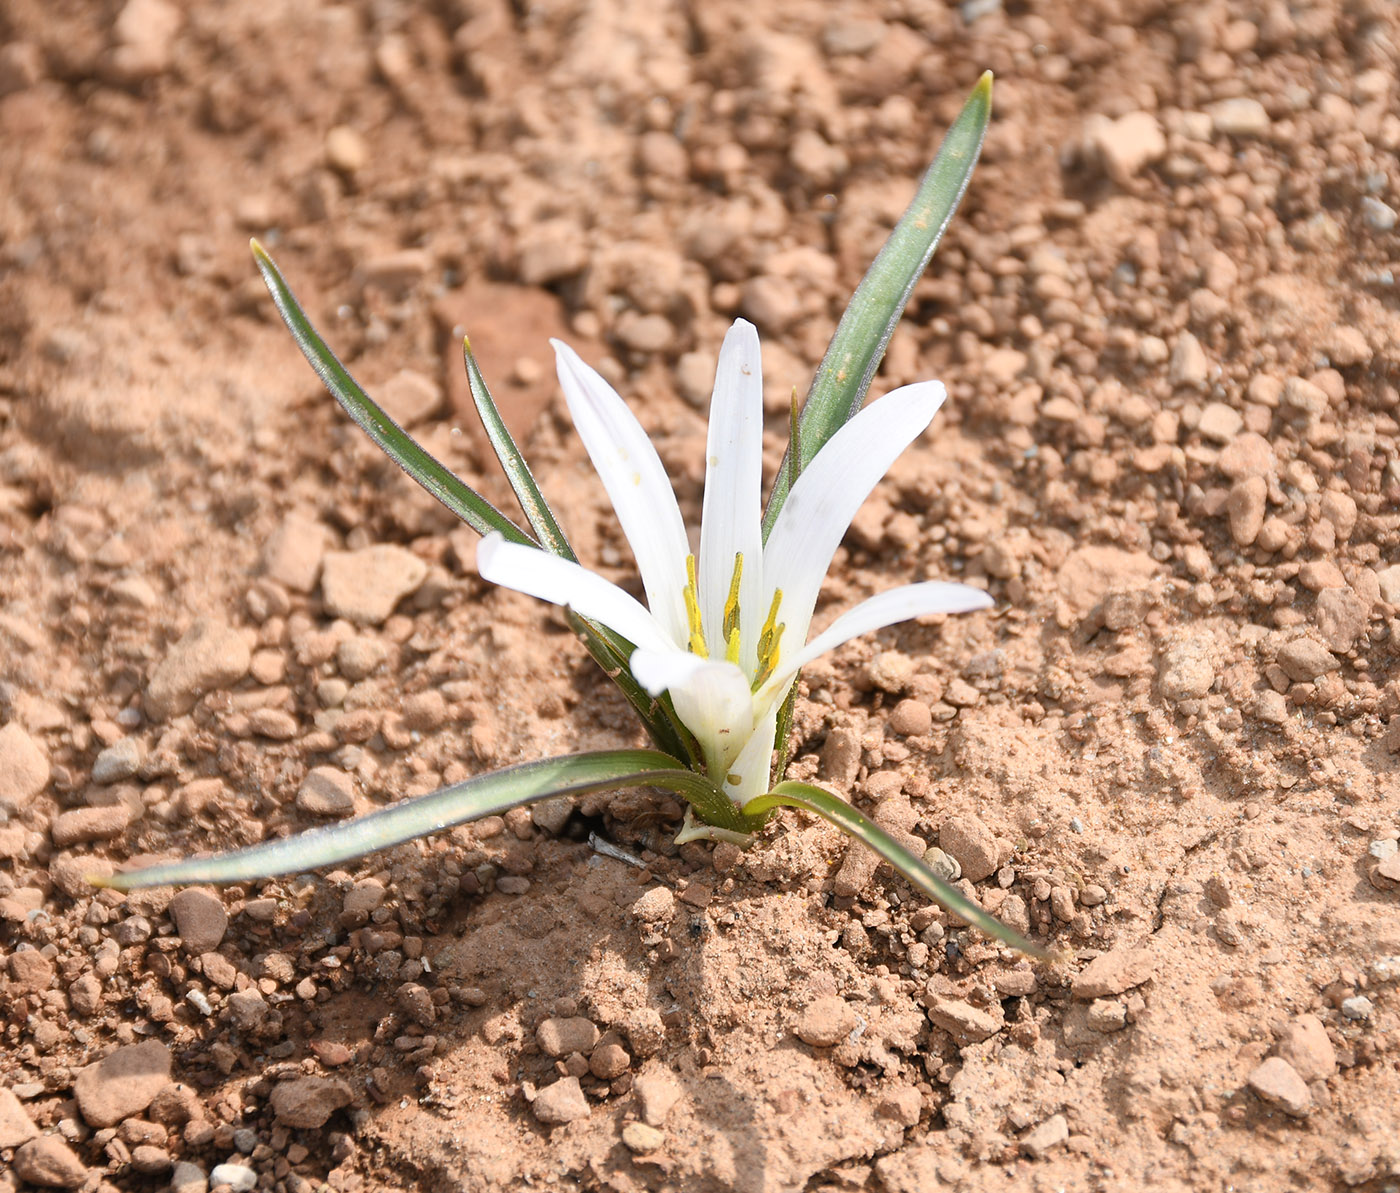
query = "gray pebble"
{"x": 1378, "y": 216}
{"x": 942, "y": 864}
{"x": 238, "y": 1177}
{"x": 121, "y": 760}
{"x": 1357, "y": 1007}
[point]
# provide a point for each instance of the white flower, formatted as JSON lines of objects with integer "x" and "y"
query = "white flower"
{"x": 727, "y": 634}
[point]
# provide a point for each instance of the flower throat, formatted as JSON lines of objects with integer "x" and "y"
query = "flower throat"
{"x": 769, "y": 638}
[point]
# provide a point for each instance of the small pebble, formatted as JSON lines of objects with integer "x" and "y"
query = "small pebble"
{"x": 1378, "y": 216}
{"x": 1048, "y": 1135}
{"x": 826, "y": 1022}
{"x": 24, "y": 767}
{"x": 654, "y": 906}
{"x": 1188, "y": 366}
{"x": 410, "y": 397}
{"x": 609, "y": 1061}
{"x": 144, "y": 32}
{"x": 1242, "y": 116}
{"x": 200, "y": 919}
{"x": 942, "y": 864}
{"x": 1245, "y": 507}
{"x": 657, "y": 1091}
{"x": 964, "y": 1022}
{"x": 1304, "y": 660}
{"x": 360, "y": 656}
{"x": 49, "y": 1162}
{"x": 210, "y": 657}
{"x": 1278, "y": 1084}
{"x": 1114, "y": 972}
{"x": 327, "y": 791}
{"x": 188, "y": 1178}
{"x": 293, "y": 552}
{"x": 1107, "y": 1015}
{"x": 560, "y": 1103}
{"x": 150, "y": 1160}
{"x": 1187, "y": 673}
{"x": 346, "y": 150}
{"x": 364, "y": 586}
{"x": 308, "y": 1102}
{"x": 972, "y": 844}
{"x": 911, "y": 718}
{"x": 561, "y": 1036}
{"x": 238, "y": 1177}
{"x": 1128, "y": 144}
{"x": 119, "y": 761}
{"x": 123, "y": 1083}
{"x": 641, "y": 1137}
{"x": 90, "y": 824}
{"x": 1305, "y": 1045}
{"x": 16, "y": 1126}
{"x": 1357, "y": 1008}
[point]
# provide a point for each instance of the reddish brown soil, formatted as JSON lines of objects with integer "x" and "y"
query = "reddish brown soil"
{"x": 1167, "y": 316}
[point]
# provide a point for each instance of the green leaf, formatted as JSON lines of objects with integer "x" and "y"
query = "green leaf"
{"x": 611, "y": 653}
{"x": 784, "y": 733}
{"x": 844, "y": 376}
{"x": 532, "y": 502}
{"x": 483, "y": 795}
{"x": 392, "y": 439}
{"x": 861, "y": 828}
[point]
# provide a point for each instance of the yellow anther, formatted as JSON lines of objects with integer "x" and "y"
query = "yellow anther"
{"x": 731, "y": 602}
{"x": 769, "y": 641}
{"x": 731, "y": 647}
{"x": 692, "y": 610}
{"x": 767, "y": 632}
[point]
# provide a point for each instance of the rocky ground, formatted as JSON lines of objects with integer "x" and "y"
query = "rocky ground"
{"x": 1167, "y": 316}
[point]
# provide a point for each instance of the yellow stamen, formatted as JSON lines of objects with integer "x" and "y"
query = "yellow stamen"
{"x": 731, "y": 648}
{"x": 769, "y": 641}
{"x": 731, "y": 602}
{"x": 692, "y": 610}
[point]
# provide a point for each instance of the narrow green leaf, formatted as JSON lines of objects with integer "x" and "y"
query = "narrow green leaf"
{"x": 392, "y": 439}
{"x": 532, "y": 502}
{"x": 784, "y": 733}
{"x": 611, "y": 653}
{"x": 861, "y": 828}
{"x": 483, "y": 795}
{"x": 844, "y": 376}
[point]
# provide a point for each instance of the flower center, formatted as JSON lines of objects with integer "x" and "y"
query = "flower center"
{"x": 769, "y": 638}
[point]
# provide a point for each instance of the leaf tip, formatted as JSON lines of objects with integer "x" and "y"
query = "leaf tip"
{"x": 981, "y": 96}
